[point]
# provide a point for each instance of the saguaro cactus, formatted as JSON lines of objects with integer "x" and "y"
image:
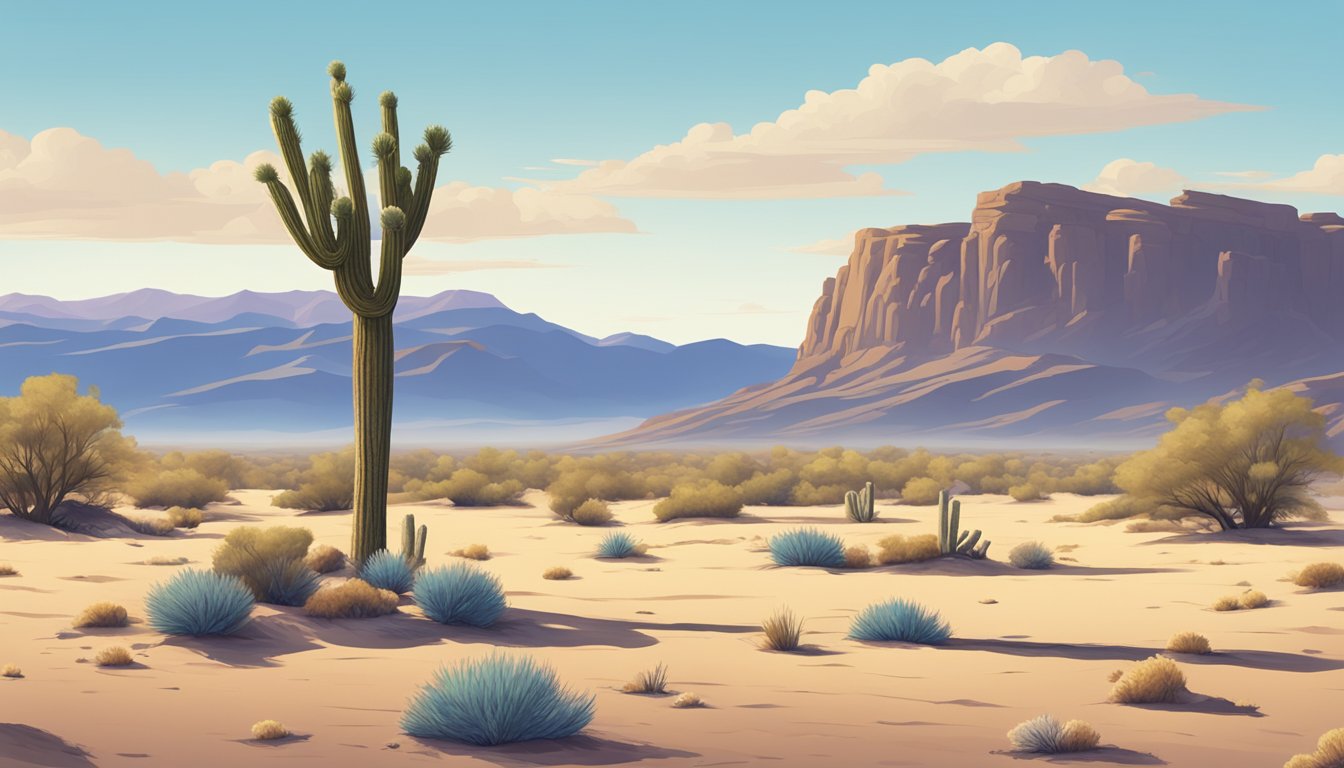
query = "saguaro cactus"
{"x": 413, "y": 541}
{"x": 859, "y": 504}
{"x": 345, "y": 252}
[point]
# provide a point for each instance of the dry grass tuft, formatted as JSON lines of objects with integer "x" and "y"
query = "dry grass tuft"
{"x": 1329, "y": 753}
{"x": 474, "y": 552}
{"x": 557, "y": 573}
{"x": 11, "y": 670}
{"x": 649, "y": 681}
{"x": 7, "y": 570}
{"x": 324, "y": 558}
{"x": 355, "y": 599}
{"x": 898, "y": 549}
{"x": 858, "y": 557}
{"x": 1152, "y": 681}
{"x": 1227, "y": 603}
{"x": 152, "y": 526}
{"x": 185, "y": 517}
{"x": 102, "y": 615}
{"x": 591, "y": 512}
{"x": 1250, "y": 600}
{"x": 688, "y": 700}
{"x": 269, "y": 730}
{"x": 1116, "y": 675}
{"x": 116, "y": 656}
{"x": 1189, "y": 642}
{"x": 783, "y": 631}
{"x": 1078, "y": 736}
{"x": 1320, "y": 576}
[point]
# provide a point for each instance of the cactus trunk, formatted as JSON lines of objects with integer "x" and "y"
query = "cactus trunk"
{"x": 372, "y": 374}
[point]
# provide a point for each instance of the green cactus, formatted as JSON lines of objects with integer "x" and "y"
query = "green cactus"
{"x": 951, "y": 539}
{"x": 345, "y": 252}
{"x": 413, "y": 541}
{"x": 859, "y": 505}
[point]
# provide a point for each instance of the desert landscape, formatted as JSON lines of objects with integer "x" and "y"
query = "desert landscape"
{"x": 1024, "y": 643}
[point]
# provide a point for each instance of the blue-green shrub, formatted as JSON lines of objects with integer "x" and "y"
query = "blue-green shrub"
{"x": 195, "y": 602}
{"x": 385, "y": 570}
{"x": 1032, "y": 555}
{"x": 900, "y": 620}
{"x": 460, "y": 593}
{"x": 807, "y": 546}
{"x": 619, "y": 545}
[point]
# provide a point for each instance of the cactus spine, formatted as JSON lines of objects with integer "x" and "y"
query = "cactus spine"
{"x": 859, "y": 504}
{"x": 952, "y": 540}
{"x": 413, "y": 541}
{"x": 345, "y": 252}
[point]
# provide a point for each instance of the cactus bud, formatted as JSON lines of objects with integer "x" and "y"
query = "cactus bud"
{"x": 403, "y": 176}
{"x": 387, "y": 100}
{"x": 337, "y": 71}
{"x": 266, "y": 173}
{"x": 422, "y": 154}
{"x": 438, "y": 139}
{"x": 281, "y": 107}
{"x": 320, "y": 161}
{"x": 343, "y": 92}
{"x": 392, "y": 218}
{"x": 342, "y": 208}
{"x": 384, "y": 146}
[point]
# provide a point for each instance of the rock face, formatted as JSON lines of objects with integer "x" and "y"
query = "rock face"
{"x": 1052, "y": 311}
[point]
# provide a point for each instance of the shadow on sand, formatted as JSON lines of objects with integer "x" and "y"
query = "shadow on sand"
{"x": 577, "y": 750}
{"x": 1287, "y": 535}
{"x": 965, "y": 566}
{"x": 1266, "y": 660}
{"x": 27, "y": 745}
{"x": 1101, "y": 756}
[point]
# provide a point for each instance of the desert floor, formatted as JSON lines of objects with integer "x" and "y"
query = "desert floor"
{"x": 1046, "y": 646}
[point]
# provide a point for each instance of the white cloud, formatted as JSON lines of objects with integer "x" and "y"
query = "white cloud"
{"x": 1326, "y": 177}
{"x": 64, "y": 185}
{"x": 1131, "y": 178}
{"x": 841, "y": 246}
{"x": 977, "y": 100}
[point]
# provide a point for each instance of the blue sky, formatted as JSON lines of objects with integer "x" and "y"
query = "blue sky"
{"x": 520, "y": 84}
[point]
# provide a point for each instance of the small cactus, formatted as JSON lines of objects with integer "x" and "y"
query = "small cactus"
{"x": 952, "y": 540}
{"x": 413, "y": 541}
{"x": 859, "y": 504}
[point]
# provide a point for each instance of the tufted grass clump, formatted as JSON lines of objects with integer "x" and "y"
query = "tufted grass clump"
{"x": 499, "y": 699}
{"x": 652, "y": 680}
{"x": 1252, "y": 599}
{"x": 184, "y": 517}
{"x": 1155, "y": 680}
{"x": 195, "y": 602}
{"x": 619, "y": 545}
{"x": 1189, "y": 642}
{"x": 591, "y": 512}
{"x": 1329, "y": 753}
{"x": 1320, "y": 576}
{"x": 269, "y": 730}
{"x": 116, "y": 656}
{"x": 102, "y": 615}
{"x": 385, "y": 570}
{"x": 688, "y": 700}
{"x": 1046, "y": 735}
{"x": 166, "y": 560}
{"x": 270, "y": 561}
{"x": 858, "y": 558}
{"x": 783, "y": 631}
{"x": 897, "y": 549}
{"x": 8, "y": 570}
{"x": 1031, "y": 555}
{"x": 807, "y": 547}
{"x": 473, "y": 552}
{"x": 557, "y": 573}
{"x": 355, "y": 599}
{"x": 900, "y": 620}
{"x": 324, "y": 558}
{"x": 460, "y": 593}
{"x": 11, "y": 671}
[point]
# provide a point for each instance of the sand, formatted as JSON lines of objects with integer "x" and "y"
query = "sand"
{"x": 1046, "y": 645}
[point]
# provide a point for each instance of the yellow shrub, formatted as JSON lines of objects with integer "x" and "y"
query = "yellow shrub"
{"x": 1189, "y": 642}
{"x": 1253, "y": 599}
{"x": 324, "y": 558}
{"x": 116, "y": 656}
{"x": 1151, "y": 681}
{"x": 11, "y": 670}
{"x": 558, "y": 573}
{"x": 1320, "y": 576}
{"x": 921, "y": 491}
{"x": 185, "y": 517}
{"x": 858, "y": 557}
{"x": 1078, "y": 736}
{"x": 1227, "y": 603}
{"x": 269, "y": 730}
{"x": 355, "y": 599}
{"x": 710, "y": 499}
{"x": 102, "y": 615}
{"x": 688, "y": 700}
{"x": 474, "y": 552}
{"x": 897, "y": 549}
{"x": 1329, "y": 753}
{"x": 591, "y": 512}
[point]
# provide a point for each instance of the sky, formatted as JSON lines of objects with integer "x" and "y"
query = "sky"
{"x": 688, "y": 170}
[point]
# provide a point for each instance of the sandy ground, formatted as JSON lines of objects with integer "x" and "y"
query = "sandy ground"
{"x": 1045, "y": 646}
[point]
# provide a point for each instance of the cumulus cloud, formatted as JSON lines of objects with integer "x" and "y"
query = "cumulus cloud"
{"x": 978, "y": 100}
{"x": 1131, "y": 178}
{"x": 1326, "y": 177}
{"x": 64, "y": 185}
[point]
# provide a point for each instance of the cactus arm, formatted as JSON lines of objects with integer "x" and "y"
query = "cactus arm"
{"x": 942, "y": 523}
{"x": 323, "y": 194}
{"x": 408, "y": 536}
{"x": 982, "y": 551}
{"x": 852, "y": 505}
{"x": 969, "y": 544}
{"x": 293, "y": 221}
{"x": 341, "y": 96}
{"x": 963, "y": 537}
{"x": 389, "y": 264}
{"x": 954, "y": 521}
{"x": 438, "y": 142}
{"x": 420, "y": 540}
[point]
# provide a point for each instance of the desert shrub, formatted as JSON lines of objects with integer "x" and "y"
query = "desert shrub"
{"x": 324, "y": 558}
{"x": 470, "y": 488}
{"x": 858, "y": 557}
{"x": 177, "y": 488}
{"x": 921, "y": 491}
{"x": 151, "y": 526}
{"x": 591, "y": 512}
{"x": 1252, "y": 599}
{"x": 768, "y": 489}
{"x": 385, "y": 570}
{"x": 355, "y": 599}
{"x": 1320, "y": 576}
{"x": 166, "y": 560}
{"x": 1045, "y": 735}
{"x": 269, "y": 730}
{"x": 899, "y": 620}
{"x": 1031, "y": 555}
{"x": 1025, "y": 492}
{"x": 807, "y": 547}
{"x": 619, "y": 545}
{"x": 270, "y": 561}
{"x": 1119, "y": 508}
{"x": 1155, "y": 680}
{"x": 897, "y": 549}
{"x": 1189, "y": 642}
{"x": 688, "y": 700}
{"x": 652, "y": 680}
{"x": 461, "y": 593}
{"x": 184, "y": 517}
{"x": 11, "y": 671}
{"x": 8, "y": 570}
{"x": 116, "y": 656}
{"x": 557, "y": 573}
{"x": 496, "y": 700}
{"x": 1329, "y": 753}
{"x": 808, "y": 495}
{"x": 196, "y": 602}
{"x": 327, "y": 485}
{"x": 710, "y": 499}
{"x": 1227, "y": 603}
{"x": 102, "y": 615}
{"x": 783, "y": 631}
{"x": 473, "y": 552}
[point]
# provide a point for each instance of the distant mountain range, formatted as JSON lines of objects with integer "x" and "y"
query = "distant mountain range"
{"x": 256, "y": 369}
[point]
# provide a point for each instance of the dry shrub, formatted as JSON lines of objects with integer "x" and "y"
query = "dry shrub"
{"x": 473, "y": 552}
{"x": 269, "y": 730}
{"x": 1253, "y": 599}
{"x": 1320, "y": 576}
{"x": 649, "y": 681}
{"x": 184, "y": 517}
{"x": 355, "y": 599}
{"x": 1078, "y": 736}
{"x": 7, "y": 570}
{"x": 166, "y": 560}
{"x": 1116, "y": 675}
{"x": 897, "y": 549}
{"x": 783, "y": 631}
{"x": 255, "y": 555}
{"x": 116, "y": 656}
{"x": 1227, "y": 603}
{"x": 152, "y": 526}
{"x": 1329, "y": 753}
{"x": 591, "y": 512}
{"x": 324, "y": 558}
{"x": 1025, "y": 492}
{"x": 858, "y": 557}
{"x": 177, "y": 488}
{"x": 711, "y": 499}
{"x": 921, "y": 491}
{"x": 1155, "y": 680}
{"x": 102, "y": 615}
{"x": 688, "y": 700}
{"x": 557, "y": 573}
{"x": 1046, "y": 735}
{"x": 1189, "y": 642}
{"x": 11, "y": 670}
